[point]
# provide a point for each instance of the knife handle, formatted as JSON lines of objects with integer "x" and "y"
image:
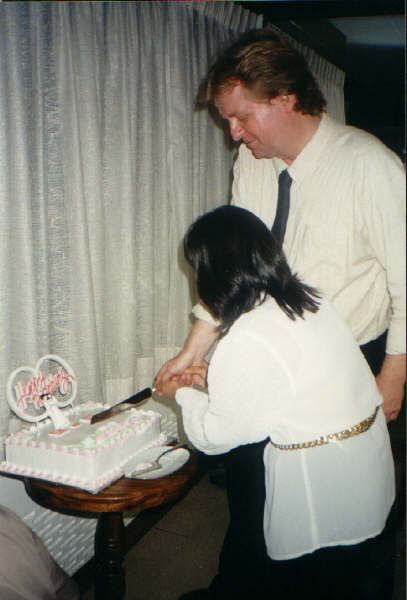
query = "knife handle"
{"x": 142, "y": 395}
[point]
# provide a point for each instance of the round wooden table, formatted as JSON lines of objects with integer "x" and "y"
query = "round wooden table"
{"x": 108, "y": 505}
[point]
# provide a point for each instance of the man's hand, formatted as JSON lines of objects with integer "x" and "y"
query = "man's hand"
{"x": 196, "y": 376}
{"x": 172, "y": 370}
{"x": 391, "y": 383}
{"x": 201, "y": 337}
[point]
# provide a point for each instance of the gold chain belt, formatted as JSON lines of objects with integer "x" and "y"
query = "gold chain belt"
{"x": 325, "y": 439}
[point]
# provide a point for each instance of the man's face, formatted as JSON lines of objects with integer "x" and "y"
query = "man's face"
{"x": 260, "y": 124}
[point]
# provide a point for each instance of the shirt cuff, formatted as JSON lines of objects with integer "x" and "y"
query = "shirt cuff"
{"x": 396, "y": 339}
{"x": 194, "y": 405}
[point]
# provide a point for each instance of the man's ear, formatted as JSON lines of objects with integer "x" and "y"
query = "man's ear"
{"x": 285, "y": 102}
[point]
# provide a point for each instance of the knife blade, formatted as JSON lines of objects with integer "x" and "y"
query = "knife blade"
{"x": 135, "y": 399}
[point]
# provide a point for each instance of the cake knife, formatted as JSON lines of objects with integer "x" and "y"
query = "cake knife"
{"x": 136, "y": 399}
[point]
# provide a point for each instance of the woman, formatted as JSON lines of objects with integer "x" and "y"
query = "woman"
{"x": 287, "y": 369}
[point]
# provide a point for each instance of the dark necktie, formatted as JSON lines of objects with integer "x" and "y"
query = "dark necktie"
{"x": 283, "y": 206}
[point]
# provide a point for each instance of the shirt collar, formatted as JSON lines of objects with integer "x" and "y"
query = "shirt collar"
{"x": 308, "y": 159}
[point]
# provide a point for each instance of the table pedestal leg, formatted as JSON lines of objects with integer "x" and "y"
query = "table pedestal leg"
{"x": 109, "y": 552}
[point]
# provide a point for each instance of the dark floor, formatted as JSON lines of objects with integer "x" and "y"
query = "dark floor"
{"x": 180, "y": 552}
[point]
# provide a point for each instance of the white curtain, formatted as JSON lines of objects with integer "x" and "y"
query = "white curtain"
{"x": 104, "y": 163}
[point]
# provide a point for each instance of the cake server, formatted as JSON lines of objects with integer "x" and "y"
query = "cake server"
{"x": 154, "y": 464}
{"x": 136, "y": 399}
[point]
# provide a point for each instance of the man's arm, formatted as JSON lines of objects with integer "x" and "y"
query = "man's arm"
{"x": 391, "y": 383}
{"x": 201, "y": 338}
{"x": 385, "y": 223}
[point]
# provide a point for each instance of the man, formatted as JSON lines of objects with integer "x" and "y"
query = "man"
{"x": 345, "y": 229}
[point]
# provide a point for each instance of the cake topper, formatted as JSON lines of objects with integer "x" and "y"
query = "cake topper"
{"x": 39, "y": 392}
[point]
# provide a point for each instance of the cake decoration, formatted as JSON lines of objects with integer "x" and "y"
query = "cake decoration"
{"x": 62, "y": 445}
{"x": 36, "y": 393}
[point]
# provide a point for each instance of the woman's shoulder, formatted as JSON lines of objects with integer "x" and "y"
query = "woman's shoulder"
{"x": 268, "y": 318}
{"x": 264, "y": 317}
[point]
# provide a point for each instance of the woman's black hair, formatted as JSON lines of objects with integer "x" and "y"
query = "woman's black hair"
{"x": 238, "y": 263}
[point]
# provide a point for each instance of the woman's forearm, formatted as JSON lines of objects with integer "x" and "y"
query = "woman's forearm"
{"x": 200, "y": 340}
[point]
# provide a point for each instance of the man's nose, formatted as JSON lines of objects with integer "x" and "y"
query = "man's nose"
{"x": 236, "y": 130}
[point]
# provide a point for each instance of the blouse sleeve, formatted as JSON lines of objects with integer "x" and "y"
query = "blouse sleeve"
{"x": 245, "y": 382}
{"x": 200, "y": 312}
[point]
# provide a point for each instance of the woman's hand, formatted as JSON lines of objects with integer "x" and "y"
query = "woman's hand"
{"x": 201, "y": 337}
{"x": 195, "y": 375}
{"x": 168, "y": 388}
{"x": 199, "y": 374}
{"x": 172, "y": 370}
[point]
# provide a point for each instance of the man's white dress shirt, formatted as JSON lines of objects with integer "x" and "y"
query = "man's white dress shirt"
{"x": 346, "y": 226}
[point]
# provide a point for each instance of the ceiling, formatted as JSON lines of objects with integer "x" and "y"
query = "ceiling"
{"x": 375, "y": 48}
{"x": 374, "y": 30}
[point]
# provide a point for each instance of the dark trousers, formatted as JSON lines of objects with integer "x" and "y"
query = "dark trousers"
{"x": 358, "y": 572}
{"x": 244, "y": 567}
{"x": 374, "y": 352}
{"x": 243, "y": 562}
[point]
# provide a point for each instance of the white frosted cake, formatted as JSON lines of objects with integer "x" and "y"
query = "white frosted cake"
{"x": 83, "y": 455}
{"x": 61, "y": 445}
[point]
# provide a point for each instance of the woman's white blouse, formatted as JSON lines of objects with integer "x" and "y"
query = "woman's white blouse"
{"x": 294, "y": 381}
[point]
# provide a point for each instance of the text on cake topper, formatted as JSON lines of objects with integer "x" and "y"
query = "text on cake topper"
{"x": 40, "y": 386}
{"x": 33, "y": 393}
